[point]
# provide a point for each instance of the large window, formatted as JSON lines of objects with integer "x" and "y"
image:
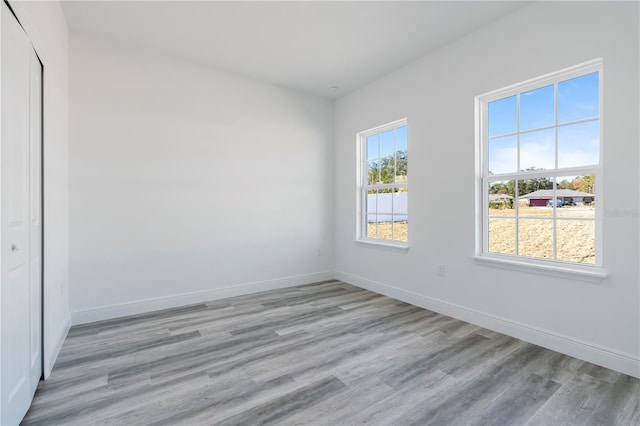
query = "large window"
{"x": 540, "y": 149}
{"x": 383, "y": 196}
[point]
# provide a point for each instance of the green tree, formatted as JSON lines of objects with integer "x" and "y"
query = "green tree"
{"x": 511, "y": 188}
{"x": 527, "y": 186}
{"x": 385, "y": 170}
{"x": 585, "y": 183}
{"x": 565, "y": 184}
{"x": 498, "y": 188}
{"x": 508, "y": 188}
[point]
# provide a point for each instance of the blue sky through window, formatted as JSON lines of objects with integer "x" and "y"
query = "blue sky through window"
{"x": 373, "y": 147}
{"x": 578, "y": 98}
{"x": 503, "y": 154}
{"x": 537, "y": 108}
{"x": 578, "y": 143}
{"x": 401, "y": 138}
{"x": 503, "y": 116}
{"x": 385, "y": 144}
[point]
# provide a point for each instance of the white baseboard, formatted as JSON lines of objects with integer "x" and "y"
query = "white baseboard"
{"x": 606, "y": 357}
{"x": 142, "y": 306}
{"x": 50, "y": 355}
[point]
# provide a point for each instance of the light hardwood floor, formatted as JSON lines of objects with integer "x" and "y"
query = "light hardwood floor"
{"x": 321, "y": 354}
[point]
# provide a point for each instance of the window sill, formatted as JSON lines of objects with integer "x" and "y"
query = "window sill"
{"x": 391, "y": 245}
{"x": 586, "y": 273}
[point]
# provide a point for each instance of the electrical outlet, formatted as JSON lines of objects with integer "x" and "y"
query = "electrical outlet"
{"x": 61, "y": 288}
{"x": 320, "y": 252}
{"x": 441, "y": 270}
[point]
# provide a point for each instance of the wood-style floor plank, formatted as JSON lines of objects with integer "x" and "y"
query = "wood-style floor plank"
{"x": 321, "y": 354}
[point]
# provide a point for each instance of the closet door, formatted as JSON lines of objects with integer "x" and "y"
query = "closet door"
{"x": 35, "y": 222}
{"x": 19, "y": 309}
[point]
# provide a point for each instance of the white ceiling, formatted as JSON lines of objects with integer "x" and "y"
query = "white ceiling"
{"x": 304, "y": 45}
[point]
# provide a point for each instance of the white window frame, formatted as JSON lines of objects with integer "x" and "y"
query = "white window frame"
{"x": 363, "y": 186}
{"x": 514, "y": 261}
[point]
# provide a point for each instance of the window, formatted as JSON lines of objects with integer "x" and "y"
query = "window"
{"x": 383, "y": 215}
{"x": 540, "y": 150}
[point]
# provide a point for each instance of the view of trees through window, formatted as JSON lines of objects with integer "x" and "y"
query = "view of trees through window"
{"x": 390, "y": 169}
{"x": 541, "y": 145}
{"x": 534, "y": 209}
{"x": 585, "y": 184}
{"x": 384, "y": 190}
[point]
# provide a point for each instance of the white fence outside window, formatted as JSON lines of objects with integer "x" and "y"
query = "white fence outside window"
{"x": 387, "y": 203}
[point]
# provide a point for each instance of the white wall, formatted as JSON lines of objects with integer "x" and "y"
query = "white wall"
{"x": 158, "y": 148}
{"x": 600, "y": 321}
{"x": 47, "y": 28}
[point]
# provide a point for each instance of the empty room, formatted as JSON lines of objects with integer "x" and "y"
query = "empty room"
{"x": 320, "y": 212}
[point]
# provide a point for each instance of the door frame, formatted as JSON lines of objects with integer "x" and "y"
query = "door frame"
{"x": 41, "y": 214}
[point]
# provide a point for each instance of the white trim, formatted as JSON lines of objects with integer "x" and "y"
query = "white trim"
{"x": 599, "y": 183}
{"x": 610, "y": 358}
{"x": 555, "y": 269}
{"x": 547, "y": 127}
{"x": 394, "y": 244}
{"x": 379, "y": 129}
{"x": 544, "y": 80}
{"x": 143, "y": 306}
{"x": 568, "y": 171}
{"x": 52, "y": 354}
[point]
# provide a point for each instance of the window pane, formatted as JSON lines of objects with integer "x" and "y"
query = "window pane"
{"x": 400, "y": 218}
{"x": 578, "y": 98}
{"x": 502, "y": 116}
{"x": 503, "y": 155}
{"x": 372, "y": 202}
{"x": 372, "y": 226}
{"x": 537, "y": 108}
{"x": 371, "y": 210}
{"x": 400, "y": 196}
{"x": 502, "y": 235}
{"x": 534, "y": 197}
{"x": 579, "y": 144}
{"x": 575, "y": 197}
{"x": 537, "y": 150}
{"x": 385, "y": 204}
{"x": 373, "y": 172}
{"x": 385, "y": 229}
{"x": 387, "y": 143}
{"x": 400, "y": 228}
{"x": 388, "y": 169}
{"x": 525, "y": 210}
{"x": 576, "y": 241}
{"x": 373, "y": 147}
{"x": 400, "y": 213}
{"x": 401, "y": 138}
{"x": 535, "y": 238}
{"x": 500, "y": 198}
{"x": 401, "y": 166}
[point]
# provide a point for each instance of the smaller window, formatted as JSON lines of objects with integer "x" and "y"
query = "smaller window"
{"x": 382, "y": 190}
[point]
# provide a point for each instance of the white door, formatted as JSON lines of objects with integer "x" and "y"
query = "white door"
{"x": 20, "y": 364}
{"x": 35, "y": 222}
